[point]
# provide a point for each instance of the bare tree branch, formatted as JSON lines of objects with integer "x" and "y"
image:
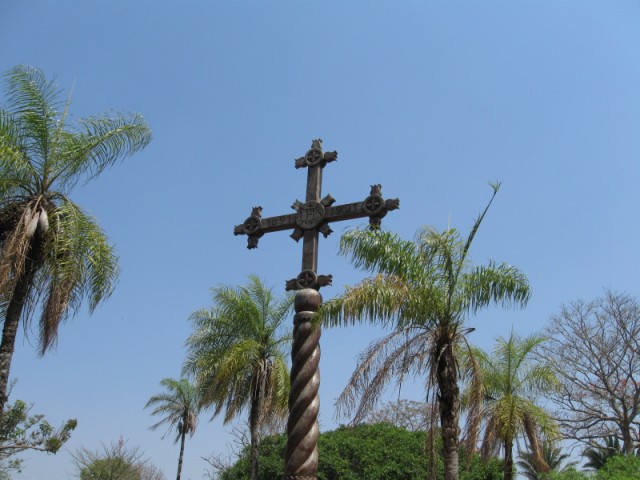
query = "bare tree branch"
{"x": 595, "y": 348}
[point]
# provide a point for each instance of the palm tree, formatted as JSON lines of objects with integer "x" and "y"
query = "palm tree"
{"x": 238, "y": 353}
{"x": 553, "y": 457}
{"x": 598, "y": 453}
{"x": 512, "y": 382}
{"x": 52, "y": 253}
{"x": 425, "y": 290}
{"x": 180, "y": 405}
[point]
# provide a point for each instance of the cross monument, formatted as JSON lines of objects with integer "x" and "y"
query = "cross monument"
{"x": 311, "y": 219}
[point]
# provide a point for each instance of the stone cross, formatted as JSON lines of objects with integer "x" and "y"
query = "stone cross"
{"x": 311, "y": 219}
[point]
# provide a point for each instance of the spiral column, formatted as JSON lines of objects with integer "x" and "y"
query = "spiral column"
{"x": 301, "y": 456}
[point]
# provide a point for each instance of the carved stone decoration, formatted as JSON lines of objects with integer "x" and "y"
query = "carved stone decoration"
{"x": 377, "y": 207}
{"x": 291, "y": 284}
{"x": 311, "y": 219}
{"x": 251, "y": 227}
{"x": 310, "y": 215}
{"x": 297, "y": 234}
{"x": 392, "y": 204}
{"x": 308, "y": 279}
{"x": 324, "y": 280}
{"x": 325, "y": 230}
{"x": 328, "y": 200}
{"x": 315, "y": 157}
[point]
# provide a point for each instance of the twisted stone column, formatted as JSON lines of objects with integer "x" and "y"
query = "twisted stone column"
{"x": 301, "y": 456}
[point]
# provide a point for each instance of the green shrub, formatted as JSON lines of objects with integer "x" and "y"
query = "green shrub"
{"x": 370, "y": 451}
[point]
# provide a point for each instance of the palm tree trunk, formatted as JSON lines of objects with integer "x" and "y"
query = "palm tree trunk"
{"x": 447, "y": 378}
{"x": 183, "y": 435}
{"x": 254, "y": 425}
{"x": 508, "y": 460}
{"x": 10, "y": 329}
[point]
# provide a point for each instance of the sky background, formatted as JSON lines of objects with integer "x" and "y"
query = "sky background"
{"x": 431, "y": 99}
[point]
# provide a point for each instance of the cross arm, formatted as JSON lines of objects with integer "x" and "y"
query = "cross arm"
{"x": 374, "y": 206}
{"x": 318, "y": 215}
{"x": 255, "y": 226}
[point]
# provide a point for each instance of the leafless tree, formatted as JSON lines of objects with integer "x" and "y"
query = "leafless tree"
{"x": 219, "y": 462}
{"x": 408, "y": 414}
{"x": 595, "y": 348}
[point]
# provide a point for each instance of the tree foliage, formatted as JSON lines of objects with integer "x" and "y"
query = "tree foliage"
{"x": 116, "y": 461}
{"x": 553, "y": 456}
{"x": 569, "y": 474}
{"x": 408, "y": 414}
{"x": 366, "y": 451}
{"x": 20, "y": 431}
{"x": 619, "y": 467}
{"x": 595, "y": 348}
{"x": 600, "y": 451}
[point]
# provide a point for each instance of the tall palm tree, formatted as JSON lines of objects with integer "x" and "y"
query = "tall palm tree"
{"x": 553, "y": 457}
{"x": 52, "y": 253}
{"x": 512, "y": 381}
{"x": 180, "y": 406}
{"x": 425, "y": 290}
{"x": 238, "y": 353}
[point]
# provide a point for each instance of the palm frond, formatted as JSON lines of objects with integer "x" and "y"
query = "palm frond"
{"x": 79, "y": 262}
{"x": 22, "y": 244}
{"x": 237, "y": 308}
{"x": 476, "y": 225}
{"x": 491, "y": 441}
{"x": 500, "y": 284}
{"x": 551, "y": 454}
{"x": 598, "y": 454}
{"x": 102, "y": 141}
{"x": 280, "y": 385}
{"x": 29, "y": 90}
{"x": 472, "y": 397}
{"x": 381, "y": 251}
{"x": 179, "y": 405}
{"x": 381, "y": 299}
{"x": 33, "y": 99}
{"x": 16, "y": 171}
{"x": 440, "y": 254}
{"x": 387, "y": 359}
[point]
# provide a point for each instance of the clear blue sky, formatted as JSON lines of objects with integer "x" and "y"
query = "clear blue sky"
{"x": 431, "y": 99}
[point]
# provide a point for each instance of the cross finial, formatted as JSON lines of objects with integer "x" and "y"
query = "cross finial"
{"x": 315, "y": 156}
